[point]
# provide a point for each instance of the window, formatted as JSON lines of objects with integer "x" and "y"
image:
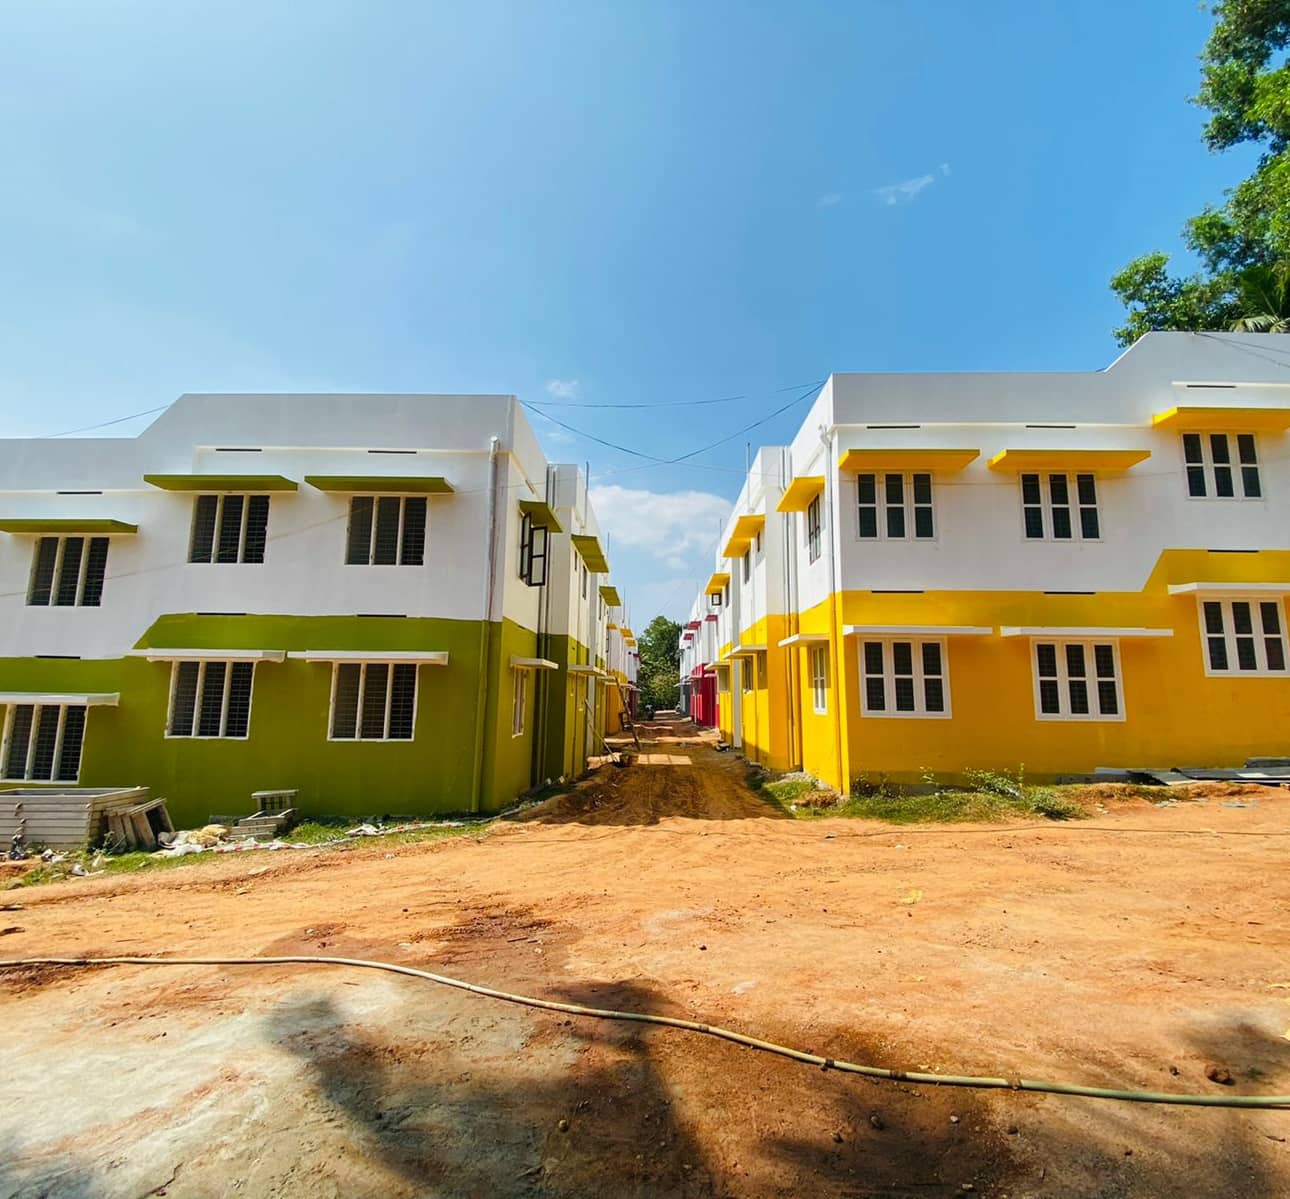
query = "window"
{"x": 373, "y": 701}
{"x": 819, "y": 661}
{"x": 386, "y": 530}
{"x": 583, "y": 567}
{"x": 1053, "y": 509}
{"x": 891, "y": 505}
{"x": 757, "y": 543}
{"x": 42, "y": 742}
{"x": 519, "y": 701}
{"x": 904, "y": 678}
{"x": 747, "y": 565}
{"x": 1077, "y": 680}
{"x": 210, "y": 699}
{"x": 67, "y": 572}
{"x": 714, "y": 600}
{"x": 1244, "y": 636}
{"x": 813, "y": 529}
{"x": 533, "y": 546}
{"x": 747, "y": 673}
{"x": 229, "y": 528}
{"x": 1213, "y": 471}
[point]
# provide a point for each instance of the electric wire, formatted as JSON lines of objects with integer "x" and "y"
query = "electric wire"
{"x": 842, "y": 1066}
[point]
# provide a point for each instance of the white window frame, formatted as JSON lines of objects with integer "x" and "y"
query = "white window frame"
{"x": 519, "y": 701}
{"x": 1095, "y": 713}
{"x": 818, "y": 666}
{"x": 220, "y": 499}
{"x": 222, "y": 735}
{"x": 1073, "y": 504}
{"x": 6, "y": 727}
{"x": 1259, "y": 637}
{"x": 907, "y": 507}
{"x": 889, "y": 676}
{"x": 1207, "y": 465}
{"x": 87, "y": 540}
{"x": 385, "y": 738}
{"x": 372, "y": 530}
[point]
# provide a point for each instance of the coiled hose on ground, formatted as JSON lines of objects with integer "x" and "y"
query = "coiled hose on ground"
{"x": 712, "y": 1030}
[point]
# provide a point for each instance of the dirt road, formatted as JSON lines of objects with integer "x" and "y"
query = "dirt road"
{"x": 1134, "y": 949}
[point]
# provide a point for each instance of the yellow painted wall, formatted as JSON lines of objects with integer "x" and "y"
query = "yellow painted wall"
{"x": 1174, "y": 714}
{"x": 765, "y": 717}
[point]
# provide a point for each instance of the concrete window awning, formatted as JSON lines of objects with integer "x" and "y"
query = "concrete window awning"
{"x": 799, "y": 493}
{"x": 610, "y": 595}
{"x": 1057, "y": 458}
{"x": 717, "y": 582}
{"x": 747, "y": 651}
{"x": 928, "y": 459}
{"x": 589, "y": 549}
{"x": 518, "y": 663}
{"x": 804, "y": 639}
{"x": 741, "y": 537}
{"x": 382, "y": 484}
{"x": 543, "y": 514}
{"x": 591, "y": 671}
{"x": 420, "y": 657}
{"x": 1253, "y": 420}
{"x": 1229, "y": 588}
{"x": 57, "y": 526}
{"x": 917, "y": 630}
{"x": 234, "y": 483}
{"x": 209, "y": 655}
{"x": 84, "y": 699}
{"x": 1080, "y": 632}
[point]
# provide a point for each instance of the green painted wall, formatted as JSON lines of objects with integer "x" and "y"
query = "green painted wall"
{"x": 288, "y": 745}
{"x": 564, "y": 744}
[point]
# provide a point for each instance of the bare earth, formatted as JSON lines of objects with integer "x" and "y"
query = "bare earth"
{"x": 1131, "y": 950}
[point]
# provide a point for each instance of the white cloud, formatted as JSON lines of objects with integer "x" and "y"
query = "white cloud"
{"x": 562, "y": 389}
{"x": 829, "y": 200}
{"x": 904, "y": 192}
{"x": 672, "y": 526}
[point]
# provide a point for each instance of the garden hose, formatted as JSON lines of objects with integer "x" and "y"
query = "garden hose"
{"x": 712, "y": 1030}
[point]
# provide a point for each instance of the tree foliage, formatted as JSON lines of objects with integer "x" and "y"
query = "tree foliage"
{"x": 1244, "y": 246}
{"x": 660, "y": 648}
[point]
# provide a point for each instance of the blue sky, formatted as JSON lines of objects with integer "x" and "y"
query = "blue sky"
{"x": 592, "y": 203}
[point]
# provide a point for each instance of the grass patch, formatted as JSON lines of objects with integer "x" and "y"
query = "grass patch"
{"x": 986, "y": 796}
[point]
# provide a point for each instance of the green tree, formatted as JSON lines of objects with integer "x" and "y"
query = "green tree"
{"x": 660, "y": 647}
{"x": 1244, "y": 246}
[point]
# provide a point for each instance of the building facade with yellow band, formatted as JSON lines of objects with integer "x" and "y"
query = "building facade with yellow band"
{"x": 1055, "y": 572}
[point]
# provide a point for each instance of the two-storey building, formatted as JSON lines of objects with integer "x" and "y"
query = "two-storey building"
{"x": 1061, "y": 571}
{"x": 351, "y": 596}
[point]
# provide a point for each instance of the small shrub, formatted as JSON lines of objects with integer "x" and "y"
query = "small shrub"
{"x": 1045, "y": 802}
{"x": 994, "y": 783}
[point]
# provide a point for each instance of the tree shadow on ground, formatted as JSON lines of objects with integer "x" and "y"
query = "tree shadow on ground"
{"x": 646, "y": 1111}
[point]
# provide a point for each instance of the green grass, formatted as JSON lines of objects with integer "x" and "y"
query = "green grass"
{"x": 950, "y": 807}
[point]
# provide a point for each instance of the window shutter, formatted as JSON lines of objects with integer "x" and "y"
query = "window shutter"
{"x": 42, "y": 571}
{"x": 69, "y": 572}
{"x": 205, "y": 511}
{"x": 358, "y": 550}
{"x": 210, "y": 707}
{"x": 69, "y": 755}
{"x": 238, "y": 715}
{"x": 230, "y": 529}
{"x": 403, "y": 694}
{"x": 95, "y": 569}
{"x": 412, "y": 551}
{"x": 344, "y": 721}
{"x": 257, "y": 528}
{"x": 15, "y": 766}
{"x": 183, "y": 704}
{"x": 385, "y": 549}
